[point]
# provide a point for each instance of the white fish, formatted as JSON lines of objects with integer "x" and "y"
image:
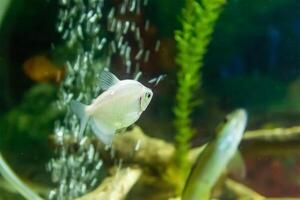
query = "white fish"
{"x": 119, "y": 106}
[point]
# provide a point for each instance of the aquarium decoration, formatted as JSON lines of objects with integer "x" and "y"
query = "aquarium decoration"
{"x": 197, "y": 20}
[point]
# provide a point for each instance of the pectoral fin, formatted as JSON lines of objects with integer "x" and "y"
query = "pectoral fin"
{"x": 237, "y": 165}
{"x": 103, "y": 131}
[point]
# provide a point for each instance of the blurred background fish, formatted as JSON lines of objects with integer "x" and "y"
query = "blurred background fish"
{"x": 39, "y": 68}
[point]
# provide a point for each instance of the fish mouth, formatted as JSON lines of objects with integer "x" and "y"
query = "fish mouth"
{"x": 241, "y": 117}
{"x": 242, "y": 113}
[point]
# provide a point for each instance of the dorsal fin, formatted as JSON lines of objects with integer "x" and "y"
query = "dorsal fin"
{"x": 107, "y": 80}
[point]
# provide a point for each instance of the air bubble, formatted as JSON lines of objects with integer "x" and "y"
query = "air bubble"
{"x": 147, "y": 55}
{"x": 138, "y": 145}
{"x": 157, "y": 45}
{"x": 139, "y": 54}
{"x": 147, "y": 25}
{"x": 132, "y": 5}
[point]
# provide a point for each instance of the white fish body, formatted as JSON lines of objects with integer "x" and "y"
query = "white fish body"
{"x": 118, "y": 107}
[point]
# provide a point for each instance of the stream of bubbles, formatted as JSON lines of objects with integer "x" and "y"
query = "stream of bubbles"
{"x": 96, "y": 30}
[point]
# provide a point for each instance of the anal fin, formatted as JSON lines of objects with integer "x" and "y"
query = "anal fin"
{"x": 103, "y": 131}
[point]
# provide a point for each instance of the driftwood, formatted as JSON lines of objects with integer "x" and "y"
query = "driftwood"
{"x": 159, "y": 154}
{"x": 132, "y": 147}
{"x": 278, "y": 141}
{"x": 274, "y": 135}
{"x": 116, "y": 186}
{"x": 137, "y": 148}
{"x": 241, "y": 192}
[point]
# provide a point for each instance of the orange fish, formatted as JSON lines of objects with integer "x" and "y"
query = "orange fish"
{"x": 41, "y": 69}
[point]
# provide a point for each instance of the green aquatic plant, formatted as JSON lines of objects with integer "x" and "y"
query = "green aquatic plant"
{"x": 31, "y": 120}
{"x": 4, "y": 4}
{"x": 198, "y": 20}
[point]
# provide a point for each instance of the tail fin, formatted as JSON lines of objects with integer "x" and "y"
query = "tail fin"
{"x": 15, "y": 181}
{"x": 79, "y": 110}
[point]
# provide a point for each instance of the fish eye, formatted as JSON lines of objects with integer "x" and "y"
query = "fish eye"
{"x": 226, "y": 119}
{"x": 148, "y": 95}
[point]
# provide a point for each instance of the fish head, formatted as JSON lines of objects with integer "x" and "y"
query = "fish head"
{"x": 232, "y": 129}
{"x": 145, "y": 98}
{"x": 237, "y": 119}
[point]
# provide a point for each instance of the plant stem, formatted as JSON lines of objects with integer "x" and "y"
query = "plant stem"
{"x": 198, "y": 22}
